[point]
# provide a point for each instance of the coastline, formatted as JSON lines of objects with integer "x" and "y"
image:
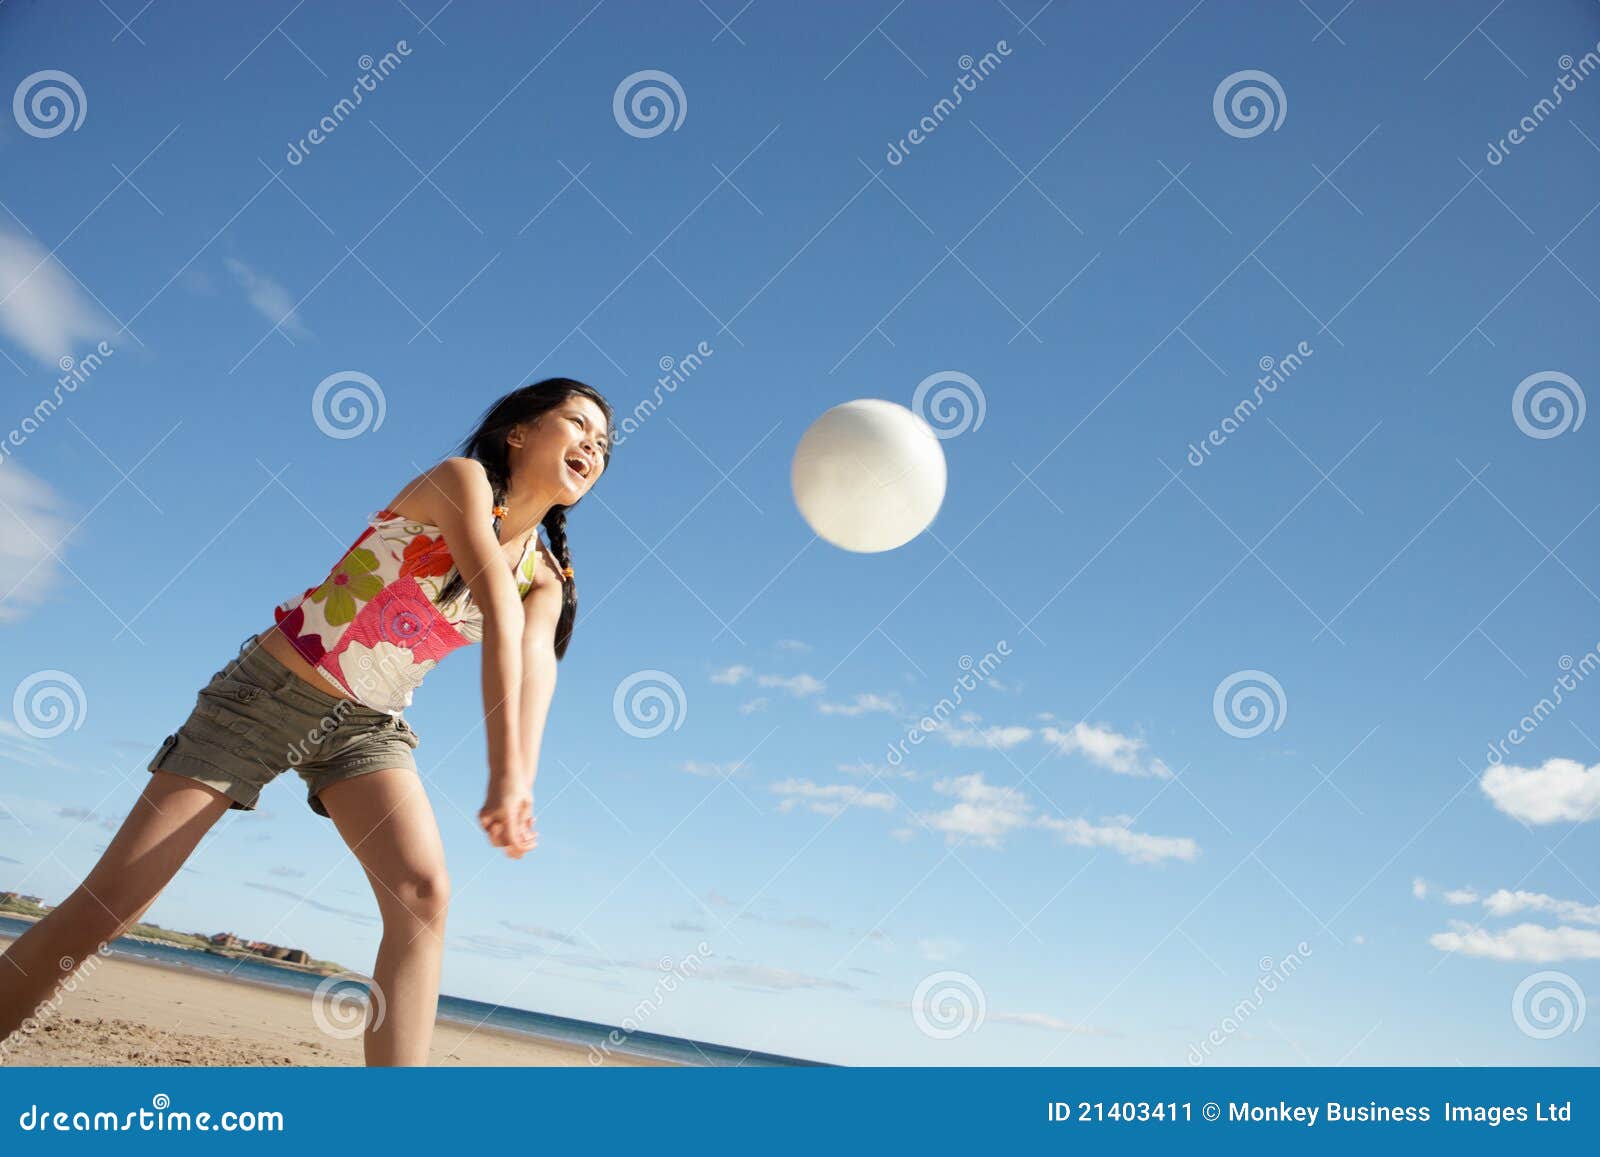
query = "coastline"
{"x": 131, "y": 1011}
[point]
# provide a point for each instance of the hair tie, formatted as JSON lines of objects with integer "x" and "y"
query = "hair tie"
{"x": 500, "y": 511}
{"x": 567, "y": 570}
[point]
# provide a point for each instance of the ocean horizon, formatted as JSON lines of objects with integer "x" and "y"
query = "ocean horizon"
{"x": 459, "y": 1010}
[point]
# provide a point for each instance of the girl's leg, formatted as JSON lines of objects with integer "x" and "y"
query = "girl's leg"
{"x": 166, "y": 824}
{"x": 386, "y": 819}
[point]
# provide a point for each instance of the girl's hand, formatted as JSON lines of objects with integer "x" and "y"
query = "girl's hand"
{"x": 507, "y": 817}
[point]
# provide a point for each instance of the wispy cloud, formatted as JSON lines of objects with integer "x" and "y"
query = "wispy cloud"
{"x": 829, "y": 799}
{"x": 269, "y": 298}
{"x": 1107, "y": 748}
{"x": 986, "y": 814}
{"x": 864, "y": 703}
{"x": 42, "y": 309}
{"x": 31, "y": 529}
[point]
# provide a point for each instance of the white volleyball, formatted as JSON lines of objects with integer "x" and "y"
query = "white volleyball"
{"x": 868, "y": 475}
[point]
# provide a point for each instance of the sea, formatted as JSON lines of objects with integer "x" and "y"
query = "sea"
{"x": 539, "y": 1025}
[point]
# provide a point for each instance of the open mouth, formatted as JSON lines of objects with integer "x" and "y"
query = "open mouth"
{"x": 580, "y": 466}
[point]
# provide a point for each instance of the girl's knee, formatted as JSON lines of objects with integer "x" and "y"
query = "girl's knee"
{"x": 421, "y": 893}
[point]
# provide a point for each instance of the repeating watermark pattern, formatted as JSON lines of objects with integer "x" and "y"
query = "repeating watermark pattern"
{"x": 973, "y": 73}
{"x": 1548, "y": 1004}
{"x": 373, "y": 73}
{"x": 48, "y": 103}
{"x": 673, "y": 973}
{"x": 648, "y": 103}
{"x": 1574, "y": 673}
{"x": 1548, "y": 404}
{"x": 45, "y": 1009}
{"x": 1571, "y": 74}
{"x": 348, "y": 404}
{"x": 1273, "y": 974}
{"x": 649, "y": 702}
{"x": 674, "y": 372}
{"x": 947, "y": 1004}
{"x": 48, "y": 704}
{"x": 1248, "y": 103}
{"x": 1249, "y": 703}
{"x": 974, "y": 673}
{"x": 1274, "y": 372}
{"x": 339, "y": 1005}
{"x": 951, "y": 402}
{"x": 75, "y": 372}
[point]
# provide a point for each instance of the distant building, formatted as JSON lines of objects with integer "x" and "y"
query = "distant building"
{"x": 225, "y": 940}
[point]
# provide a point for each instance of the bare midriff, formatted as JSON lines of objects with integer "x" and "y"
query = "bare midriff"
{"x": 273, "y": 642}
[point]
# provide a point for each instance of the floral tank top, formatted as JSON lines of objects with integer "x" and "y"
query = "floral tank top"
{"x": 375, "y": 626}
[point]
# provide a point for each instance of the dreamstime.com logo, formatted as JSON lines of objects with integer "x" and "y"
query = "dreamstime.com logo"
{"x": 973, "y": 73}
{"x": 951, "y": 402}
{"x": 74, "y": 373}
{"x": 674, "y": 372}
{"x": 1547, "y": 404}
{"x": 973, "y": 674}
{"x": 339, "y": 1005}
{"x": 159, "y": 1118}
{"x": 48, "y": 103}
{"x": 648, "y": 103}
{"x": 1548, "y": 1004}
{"x": 1249, "y": 703}
{"x": 1273, "y": 974}
{"x": 348, "y": 404}
{"x": 649, "y": 702}
{"x": 673, "y": 972}
{"x": 74, "y": 972}
{"x": 948, "y": 1004}
{"x": 1248, "y": 103}
{"x": 49, "y": 703}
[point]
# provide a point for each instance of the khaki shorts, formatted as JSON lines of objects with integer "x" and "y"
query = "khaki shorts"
{"x": 256, "y": 718}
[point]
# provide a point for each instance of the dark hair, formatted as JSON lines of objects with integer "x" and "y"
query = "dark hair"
{"x": 487, "y": 444}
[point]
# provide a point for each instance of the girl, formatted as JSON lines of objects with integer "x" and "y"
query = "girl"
{"x": 454, "y": 558}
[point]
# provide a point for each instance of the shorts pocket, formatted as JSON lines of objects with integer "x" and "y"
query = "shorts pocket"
{"x": 403, "y": 730}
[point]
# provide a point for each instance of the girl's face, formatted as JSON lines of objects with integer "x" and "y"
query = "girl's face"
{"x": 563, "y": 450}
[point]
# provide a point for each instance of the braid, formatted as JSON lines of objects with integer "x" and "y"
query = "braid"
{"x": 555, "y": 525}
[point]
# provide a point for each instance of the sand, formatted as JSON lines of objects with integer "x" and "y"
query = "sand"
{"x": 138, "y": 1012}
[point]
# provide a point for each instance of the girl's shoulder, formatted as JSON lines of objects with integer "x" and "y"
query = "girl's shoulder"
{"x": 455, "y": 483}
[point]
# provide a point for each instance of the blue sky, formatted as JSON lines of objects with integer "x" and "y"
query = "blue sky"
{"x": 1090, "y": 851}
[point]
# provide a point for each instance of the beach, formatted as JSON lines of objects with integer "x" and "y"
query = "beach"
{"x": 135, "y": 1012}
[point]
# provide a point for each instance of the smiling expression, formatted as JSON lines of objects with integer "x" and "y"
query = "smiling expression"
{"x": 565, "y": 448}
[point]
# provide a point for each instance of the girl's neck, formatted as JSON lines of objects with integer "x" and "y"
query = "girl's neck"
{"x": 526, "y": 510}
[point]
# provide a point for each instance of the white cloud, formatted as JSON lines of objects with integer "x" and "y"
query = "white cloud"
{"x": 984, "y": 814}
{"x": 42, "y": 308}
{"x": 938, "y": 950}
{"x": 829, "y": 799}
{"x": 29, "y": 529}
{"x": 1120, "y": 838}
{"x": 1560, "y": 789}
{"x": 865, "y": 702}
{"x": 1507, "y": 903}
{"x": 270, "y": 299}
{"x": 1106, "y": 748}
{"x": 1461, "y": 896}
{"x": 1530, "y": 943}
{"x": 793, "y": 645}
{"x": 730, "y": 676}
{"x": 1419, "y": 888}
{"x": 1002, "y": 738}
{"x": 752, "y": 706}
{"x": 798, "y": 685}
{"x": 708, "y": 769}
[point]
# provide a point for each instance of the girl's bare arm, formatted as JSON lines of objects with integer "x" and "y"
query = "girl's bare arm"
{"x": 456, "y": 496}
